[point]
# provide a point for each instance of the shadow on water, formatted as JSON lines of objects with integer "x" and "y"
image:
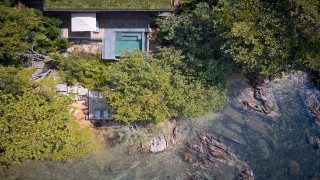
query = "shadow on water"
{"x": 275, "y": 148}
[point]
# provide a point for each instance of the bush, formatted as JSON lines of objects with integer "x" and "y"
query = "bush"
{"x": 37, "y": 124}
{"x": 61, "y": 43}
{"x": 143, "y": 88}
{"x": 85, "y": 70}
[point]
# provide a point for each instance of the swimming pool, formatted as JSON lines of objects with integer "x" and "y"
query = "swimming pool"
{"x": 128, "y": 41}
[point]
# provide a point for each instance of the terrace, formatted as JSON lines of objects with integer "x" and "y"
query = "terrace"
{"x": 108, "y": 4}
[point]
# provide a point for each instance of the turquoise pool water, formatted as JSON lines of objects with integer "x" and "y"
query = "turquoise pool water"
{"x": 128, "y": 41}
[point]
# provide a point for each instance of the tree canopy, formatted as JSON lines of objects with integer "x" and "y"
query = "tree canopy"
{"x": 274, "y": 37}
{"x": 84, "y": 69}
{"x": 199, "y": 38}
{"x": 24, "y": 31}
{"x": 35, "y": 121}
{"x": 268, "y": 37}
{"x": 141, "y": 87}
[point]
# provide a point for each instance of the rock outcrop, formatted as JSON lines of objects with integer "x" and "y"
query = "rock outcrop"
{"x": 259, "y": 101}
{"x": 150, "y": 138}
{"x": 164, "y": 141}
{"x": 208, "y": 150}
{"x": 315, "y": 109}
{"x": 314, "y": 140}
{"x": 313, "y": 104}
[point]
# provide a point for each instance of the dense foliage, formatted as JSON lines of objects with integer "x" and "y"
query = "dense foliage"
{"x": 141, "y": 87}
{"x": 35, "y": 121}
{"x": 198, "y": 36}
{"x": 268, "y": 37}
{"x": 84, "y": 69}
{"x": 24, "y": 31}
{"x": 274, "y": 37}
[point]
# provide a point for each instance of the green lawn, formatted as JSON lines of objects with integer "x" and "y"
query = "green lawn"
{"x": 108, "y": 4}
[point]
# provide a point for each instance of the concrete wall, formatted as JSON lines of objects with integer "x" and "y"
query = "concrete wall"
{"x": 109, "y": 24}
{"x": 122, "y": 24}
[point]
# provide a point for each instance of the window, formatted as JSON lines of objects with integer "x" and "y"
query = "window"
{"x": 128, "y": 40}
{"x": 101, "y": 114}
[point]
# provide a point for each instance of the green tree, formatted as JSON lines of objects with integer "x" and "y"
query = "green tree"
{"x": 25, "y": 31}
{"x": 273, "y": 37}
{"x": 143, "y": 88}
{"x": 36, "y": 122}
{"x": 199, "y": 37}
{"x": 256, "y": 38}
{"x": 302, "y": 21}
{"x": 7, "y": 2}
{"x": 268, "y": 37}
{"x": 85, "y": 69}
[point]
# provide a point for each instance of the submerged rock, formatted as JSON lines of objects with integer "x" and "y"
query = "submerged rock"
{"x": 312, "y": 102}
{"x": 294, "y": 168}
{"x": 316, "y": 145}
{"x": 313, "y": 140}
{"x": 189, "y": 157}
{"x": 259, "y": 101}
{"x": 208, "y": 150}
{"x": 315, "y": 109}
{"x": 246, "y": 174}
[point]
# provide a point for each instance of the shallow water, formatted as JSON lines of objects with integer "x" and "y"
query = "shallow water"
{"x": 275, "y": 148}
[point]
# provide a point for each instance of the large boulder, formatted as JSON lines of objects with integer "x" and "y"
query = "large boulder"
{"x": 158, "y": 145}
{"x": 259, "y": 101}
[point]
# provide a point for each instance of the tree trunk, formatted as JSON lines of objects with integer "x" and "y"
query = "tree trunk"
{"x": 19, "y": 5}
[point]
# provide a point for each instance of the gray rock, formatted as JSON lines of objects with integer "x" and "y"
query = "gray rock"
{"x": 158, "y": 145}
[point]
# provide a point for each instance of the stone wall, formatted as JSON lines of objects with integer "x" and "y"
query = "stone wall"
{"x": 86, "y": 47}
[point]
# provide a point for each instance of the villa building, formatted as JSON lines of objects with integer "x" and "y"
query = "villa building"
{"x": 113, "y": 25}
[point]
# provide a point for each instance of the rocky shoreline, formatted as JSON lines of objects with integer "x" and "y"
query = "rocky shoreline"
{"x": 312, "y": 102}
{"x": 163, "y": 141}
{"x": 207, "y": 151}
{"x": 233, "y": 143}
{"x": 258, "y": 100}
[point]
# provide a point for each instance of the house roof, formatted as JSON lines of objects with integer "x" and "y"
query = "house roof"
{"x": 108, "y": 5}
